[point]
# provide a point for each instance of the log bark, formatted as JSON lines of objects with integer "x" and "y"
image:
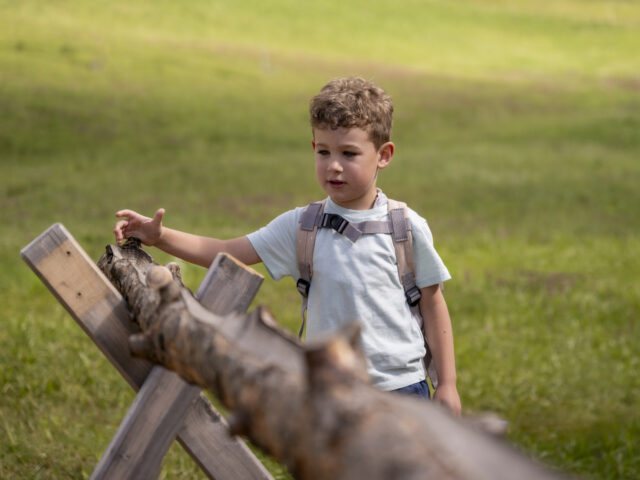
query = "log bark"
{"x": 310, "y": 407}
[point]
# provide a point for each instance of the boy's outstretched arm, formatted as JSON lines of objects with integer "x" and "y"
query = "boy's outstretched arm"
{"x": 192, "y": 248}
{"x": 437, "y": 328}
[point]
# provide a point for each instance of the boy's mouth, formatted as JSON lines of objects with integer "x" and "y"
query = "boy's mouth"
{"x": 336, "y": 183}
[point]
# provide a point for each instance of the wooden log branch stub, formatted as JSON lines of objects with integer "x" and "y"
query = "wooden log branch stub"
{"x": 158, "y": 277}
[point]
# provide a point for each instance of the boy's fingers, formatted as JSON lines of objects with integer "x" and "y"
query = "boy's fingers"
{"x": 120, "y": 225}
{"x": 119, "y": 230}
{"x": 157, "y": 217}
{"x": 125, "y": 213}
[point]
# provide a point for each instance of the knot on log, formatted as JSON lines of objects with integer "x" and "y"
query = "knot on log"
{"x": 239, "y": 422}
{"x": 158, "y": 277}
{"x": 141, "y": 345}
{"x": 490, "y": 422}
{"x": 337, "y": 359}
{"x": 108, "y": 256}
{"x": 161, "y": 279}
{"x": 174, "y": 268}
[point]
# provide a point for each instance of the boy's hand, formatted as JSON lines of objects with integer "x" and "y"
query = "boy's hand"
{"x": 447, "y": 395}
{"x": 148, "y": 230}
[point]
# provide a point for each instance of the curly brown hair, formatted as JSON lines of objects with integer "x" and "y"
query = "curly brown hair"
{"x": 353, "y": 102}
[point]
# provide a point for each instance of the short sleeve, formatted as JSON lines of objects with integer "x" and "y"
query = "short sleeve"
{"x": 276, "y": 244}
{"x": 430, "y": 269}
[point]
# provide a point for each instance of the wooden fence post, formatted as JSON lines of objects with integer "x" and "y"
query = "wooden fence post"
{"x": 74, "y": 279}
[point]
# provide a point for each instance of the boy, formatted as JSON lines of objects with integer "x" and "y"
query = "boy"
{"x": 352, "y": 280}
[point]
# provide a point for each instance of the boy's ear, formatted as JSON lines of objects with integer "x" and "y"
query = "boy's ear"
{"x": 313, "y": 144}
{"x": 385, "y": 154}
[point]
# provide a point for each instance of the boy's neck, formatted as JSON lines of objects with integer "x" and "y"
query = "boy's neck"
{"x": 378, "y": 200}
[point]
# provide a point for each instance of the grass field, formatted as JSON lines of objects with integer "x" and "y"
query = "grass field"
{"x": 518, "y": 137}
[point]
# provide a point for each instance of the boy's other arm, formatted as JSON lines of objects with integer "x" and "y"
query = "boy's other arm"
{"x": 192, "y": 248}
{"x": 438, "y": 331}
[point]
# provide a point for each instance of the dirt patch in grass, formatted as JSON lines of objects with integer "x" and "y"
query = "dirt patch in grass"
{"x": 624, "y": 83}
{"x": 554, "y": 283}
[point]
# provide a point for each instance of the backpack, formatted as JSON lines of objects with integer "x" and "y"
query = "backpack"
{"x": 398, "y": 226}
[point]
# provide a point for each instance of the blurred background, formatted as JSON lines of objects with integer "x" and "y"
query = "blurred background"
{"x": 517, "y": 130}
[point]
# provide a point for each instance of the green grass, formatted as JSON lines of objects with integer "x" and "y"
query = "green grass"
{"x": 517, "y": 130}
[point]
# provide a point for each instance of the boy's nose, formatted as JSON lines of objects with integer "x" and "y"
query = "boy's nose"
{"x": 335, "y": 165}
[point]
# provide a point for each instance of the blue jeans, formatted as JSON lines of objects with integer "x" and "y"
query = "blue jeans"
{"x": 420, "y": 389}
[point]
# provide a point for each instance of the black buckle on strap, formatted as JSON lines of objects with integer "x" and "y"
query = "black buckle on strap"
{"x": 331, "y": 220}
{"x": 413, "y": 296}
{"x": 303, "y": 287}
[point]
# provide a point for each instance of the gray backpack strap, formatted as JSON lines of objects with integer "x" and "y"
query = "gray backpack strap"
{"x": 306, "y": 240}
{"x": 403, "y": 245}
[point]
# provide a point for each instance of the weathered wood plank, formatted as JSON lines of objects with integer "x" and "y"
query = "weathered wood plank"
{"x": 229, "y": 286}
{"x": 141, "y": 442}
{"x": 74, "y": 279}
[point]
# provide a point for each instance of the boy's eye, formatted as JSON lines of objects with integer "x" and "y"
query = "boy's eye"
{"x": 349, "y": 153}
{"x": 323, "y": 152}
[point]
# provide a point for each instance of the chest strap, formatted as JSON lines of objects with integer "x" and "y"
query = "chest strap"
{"x": 353, "y": 231}
{"x": 315, "y": 217}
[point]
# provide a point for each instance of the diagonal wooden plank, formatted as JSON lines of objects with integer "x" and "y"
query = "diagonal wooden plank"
{"x": 148, "y": 429}
{"x": 84, "y": 291}
{"x": 74, "y": 279}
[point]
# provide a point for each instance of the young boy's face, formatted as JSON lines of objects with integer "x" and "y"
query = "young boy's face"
{"x": 347, "y": 164}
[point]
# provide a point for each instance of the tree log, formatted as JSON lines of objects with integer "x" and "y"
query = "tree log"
{"x": 310, "y": 407}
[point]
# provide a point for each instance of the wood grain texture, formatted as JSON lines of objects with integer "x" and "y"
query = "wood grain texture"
{"x": 148, "y": 429}
{"x": 229, "y": 286}
{"x": 98, "y": 308}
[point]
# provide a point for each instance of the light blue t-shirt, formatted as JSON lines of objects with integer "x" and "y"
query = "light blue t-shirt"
{"x": 359, "y": 282}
